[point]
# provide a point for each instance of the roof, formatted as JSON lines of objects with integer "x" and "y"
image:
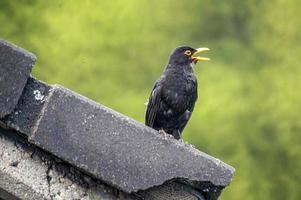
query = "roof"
{"x": 98, "y": 140}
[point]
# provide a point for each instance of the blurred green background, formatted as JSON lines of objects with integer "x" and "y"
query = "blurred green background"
{"x": 248, "y": 111}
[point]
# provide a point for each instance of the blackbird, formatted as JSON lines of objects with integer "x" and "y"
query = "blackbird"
{"x": 174, "y": 94}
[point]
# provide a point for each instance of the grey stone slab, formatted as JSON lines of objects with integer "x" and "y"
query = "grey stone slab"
{"x": 14, "y": 189}
{"x": 118, "y": 150}
{"x": 28, "y": 173}
{"x": 15, "y": 67}
{"x": 29, "y": 107}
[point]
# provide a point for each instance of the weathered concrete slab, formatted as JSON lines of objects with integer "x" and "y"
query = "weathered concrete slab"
{"x": 117, "y": 149}
{"x": 29, "y": 107}
{"x": 15, "y": 67}
{"x": 28, "y": 173}
{"x": 14, "y": 189}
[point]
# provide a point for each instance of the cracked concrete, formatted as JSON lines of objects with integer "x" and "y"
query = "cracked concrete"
{"x": 29, "y": 173}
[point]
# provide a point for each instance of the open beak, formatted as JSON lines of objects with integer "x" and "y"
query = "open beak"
{"x": 196, "y": 58}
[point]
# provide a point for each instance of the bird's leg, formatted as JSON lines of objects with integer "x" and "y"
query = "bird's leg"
{"x": 161, "y": 131}
{"x": 176, "y": 134}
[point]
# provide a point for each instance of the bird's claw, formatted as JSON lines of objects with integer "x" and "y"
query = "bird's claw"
{"x": 181, "y": 140}
{"x": 161, "y": 131}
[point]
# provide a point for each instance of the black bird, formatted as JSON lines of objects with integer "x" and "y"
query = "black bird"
{"x": 174, "y": 94}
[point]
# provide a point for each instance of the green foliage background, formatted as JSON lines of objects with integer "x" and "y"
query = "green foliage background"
{"x": 248, "y": 112}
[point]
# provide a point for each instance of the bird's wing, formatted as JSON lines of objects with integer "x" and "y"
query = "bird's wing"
{"x": 153, "y": 105}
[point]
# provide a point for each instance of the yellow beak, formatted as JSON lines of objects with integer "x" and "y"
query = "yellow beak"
{"x": 200, "y": 50}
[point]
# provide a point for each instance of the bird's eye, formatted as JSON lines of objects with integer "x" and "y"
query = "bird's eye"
{"x": 187, "y": 52}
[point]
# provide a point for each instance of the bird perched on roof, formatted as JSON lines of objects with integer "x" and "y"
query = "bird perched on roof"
{"x": 174, "y": 94}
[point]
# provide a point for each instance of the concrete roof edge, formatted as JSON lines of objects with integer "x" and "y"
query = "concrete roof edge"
{"x": 105, "y": 143}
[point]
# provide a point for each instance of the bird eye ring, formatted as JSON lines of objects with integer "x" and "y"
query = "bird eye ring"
{"x": 187, "y": 52}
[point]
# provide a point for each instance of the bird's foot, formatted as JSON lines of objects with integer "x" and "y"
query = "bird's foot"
{"x": 161, "y": 131}
{"x": 176, "y": 134}
{"x": 181, "y": 140}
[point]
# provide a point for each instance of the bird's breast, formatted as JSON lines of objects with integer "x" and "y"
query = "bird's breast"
{"x": 180, "y": 96}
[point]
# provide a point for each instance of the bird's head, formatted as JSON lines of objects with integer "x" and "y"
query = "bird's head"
{"x": 185, "y": 55}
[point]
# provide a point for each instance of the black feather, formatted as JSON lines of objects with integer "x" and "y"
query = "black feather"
{"x": 172, "y": 99}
